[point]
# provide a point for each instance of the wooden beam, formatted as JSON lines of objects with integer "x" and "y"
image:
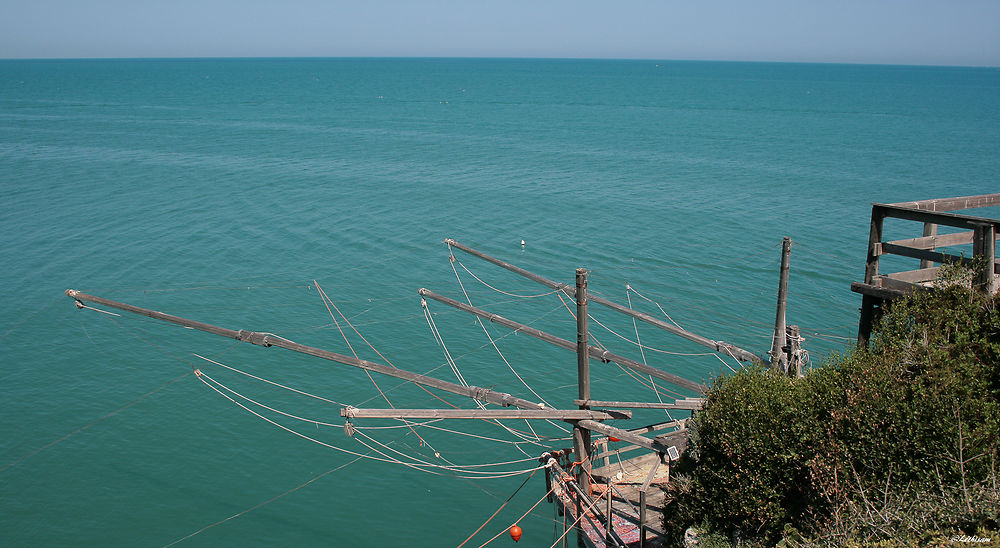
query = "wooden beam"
{"x": 907, "y": 281}
{"x": 952, "y": 204}
{"x": 876, "y": 291}
{"x": 624, "y": 435}
{"x": 924, "y": 254}
{"x": 551, "y": 414}
{"x": 718, "y": 346}
{"x": 595, "y": 352}
{"x": 686, "y": 403}
{"x": 269, "y": 339}
{"x": 941, "y": 218}
{"x": 938, "y": 240}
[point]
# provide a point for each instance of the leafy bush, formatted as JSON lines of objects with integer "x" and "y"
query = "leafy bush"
{"x": 899, "y": 443}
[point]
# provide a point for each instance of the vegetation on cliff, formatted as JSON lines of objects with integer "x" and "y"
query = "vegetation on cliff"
{"x": 898, "y": 444}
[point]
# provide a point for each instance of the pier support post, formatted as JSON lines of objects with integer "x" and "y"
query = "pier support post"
{"x": 779, "y": 360}
{"x": 984, "y": 249}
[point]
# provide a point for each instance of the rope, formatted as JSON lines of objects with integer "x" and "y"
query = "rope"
{"x": 580, "y": 517}
{"x": 327, "y": 301}
{"x": 642, "y": 346}
{"x": 95, "y": 421}
{"x": 456, "y": 470}
{"x": 480, "y": 322}
{"x": 524, "y": 515}
{"x": 500, "y": 290}
{"x": 297, "y": 391}
{"x": 268, "y": 501}
{"x": 498, "y": 510}
{"x": 620, "y": 366}
{"x": 635, "y": 325}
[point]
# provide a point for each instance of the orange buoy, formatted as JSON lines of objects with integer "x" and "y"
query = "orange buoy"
{"x": 515, "y": 533}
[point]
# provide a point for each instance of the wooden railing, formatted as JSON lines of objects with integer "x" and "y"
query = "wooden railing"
{"x": 981, "y": 232}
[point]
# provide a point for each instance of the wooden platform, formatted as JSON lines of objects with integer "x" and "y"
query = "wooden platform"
{"x": 627, "y": 477}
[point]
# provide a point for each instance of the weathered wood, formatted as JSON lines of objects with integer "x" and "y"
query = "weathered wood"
{"x": 874, "y": 242}
{"x": 269, "y": 339}
{"x": 718, "y": 346}
{"x": 876, "y": 291}
{"x": 956, "y": 220}
{"x": 952, "y": 204}
{"x": 581, "y": 496}
{"x": 595, "y": 352}
{"x": 779, "y": 361}
{"x": 686, "y": 403}
{"x": 924, "y": 254}
{"x": 936, "y": 240}
{"x": 680, "y": 424}
{"x": 930, "y": 230}
{"x": 552, "y": 414}
{"x": 984, "y": 243}
{"x": 624, "y": 435}
{"x": 581, "y": 436}
{"x": 642, "y": 518}
{"x": 868, "y": 304}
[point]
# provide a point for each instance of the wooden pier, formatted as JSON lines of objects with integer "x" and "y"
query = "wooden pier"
{"x": 880, "y": 288}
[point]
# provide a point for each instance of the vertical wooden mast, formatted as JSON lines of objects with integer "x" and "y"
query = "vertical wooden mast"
{"x": 779, "y": 360}
{"x": 581, "y": 436}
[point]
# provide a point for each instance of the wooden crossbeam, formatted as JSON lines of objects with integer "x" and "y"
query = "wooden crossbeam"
{"x": 551, "y": 414}
{"x": 953, "y": 204}
{"x": 686, "y": 403}
{"x": 941, "y": 218}
{"x": 937, "y": 240}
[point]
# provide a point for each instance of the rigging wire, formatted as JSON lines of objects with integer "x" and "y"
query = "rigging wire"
{"x": 266, "y": 502}
{"x": 456, "y": 471}
{"x": 498, "y": 510}
{"x": 328, "y": 302}
{"x": 635, "y": 325}
{"x": 620, "y": 366}
{"x": 480, "y": 280}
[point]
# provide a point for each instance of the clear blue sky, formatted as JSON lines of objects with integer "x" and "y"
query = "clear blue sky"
{"x": 942, "y": 32}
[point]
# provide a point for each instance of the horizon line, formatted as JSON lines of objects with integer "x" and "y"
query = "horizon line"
{"x": 476, "y": 57}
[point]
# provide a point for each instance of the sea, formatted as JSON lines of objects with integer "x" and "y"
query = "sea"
{"x": 311, "y": 198}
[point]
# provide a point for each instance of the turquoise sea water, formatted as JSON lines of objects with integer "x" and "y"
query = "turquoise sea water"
{"x": 222, "y": 189}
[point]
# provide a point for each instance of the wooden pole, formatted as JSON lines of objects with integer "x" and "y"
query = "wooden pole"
{"x": 779, "y": 361}
{"x": 717, "y": 346}
{"x": 609, "y": 524}
{"x": 269, "y": 339}
{"x": 984, "y": 251}
{"x": 869, "y": 302}
{"x": 581, "y": 436}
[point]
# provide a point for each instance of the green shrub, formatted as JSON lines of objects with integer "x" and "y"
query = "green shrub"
{"x": 899, "y": 443}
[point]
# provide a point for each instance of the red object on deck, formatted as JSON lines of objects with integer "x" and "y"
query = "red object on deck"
{"x": 515, "y": 533}
{"x": 613, "y": 439}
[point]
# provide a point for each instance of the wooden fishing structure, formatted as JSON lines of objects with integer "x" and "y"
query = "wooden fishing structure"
{"x": 610, "y": 500}
{"x": 879, "y": 288}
